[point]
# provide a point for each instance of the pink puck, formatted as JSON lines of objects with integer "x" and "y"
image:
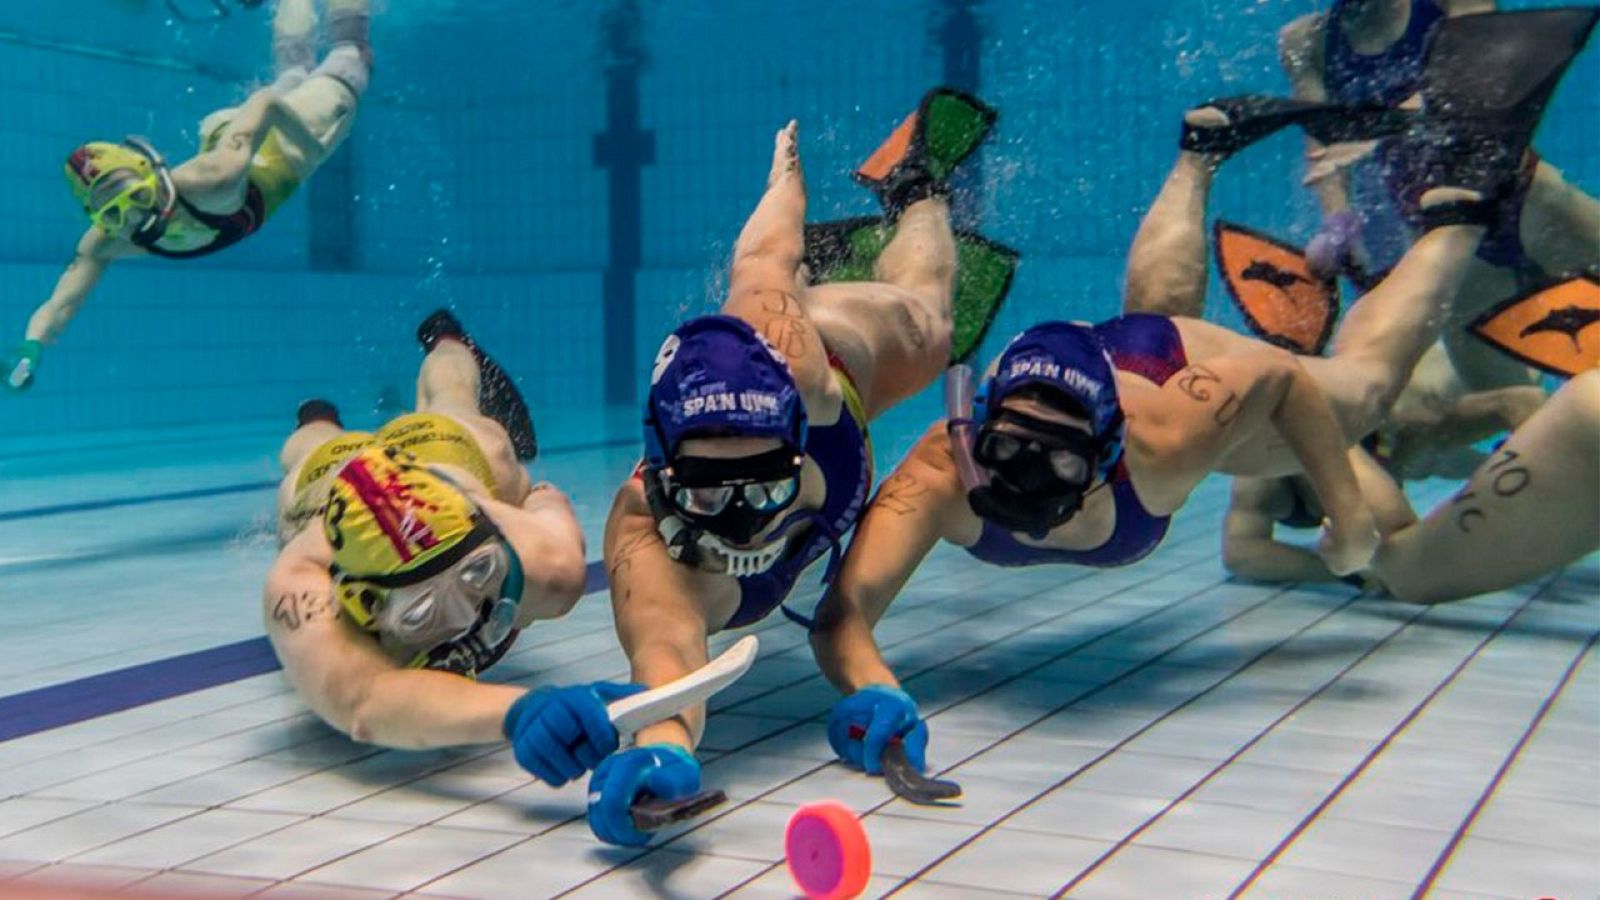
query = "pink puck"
{"x": 827, "y": 849}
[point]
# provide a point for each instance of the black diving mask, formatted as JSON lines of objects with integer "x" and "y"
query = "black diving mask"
{"x": 734, "y": 498}
{"x": 1039, "y": 472}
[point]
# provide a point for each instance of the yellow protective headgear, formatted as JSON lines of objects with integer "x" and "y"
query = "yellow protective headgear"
{"x": 393, "y": 522}
{"x": 113, "y": 181}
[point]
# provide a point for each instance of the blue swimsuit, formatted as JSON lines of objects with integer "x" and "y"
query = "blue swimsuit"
{"x": 843, "y": 452}
{"x": 1144, "y": 345}
{"x": 1381, "y": 79}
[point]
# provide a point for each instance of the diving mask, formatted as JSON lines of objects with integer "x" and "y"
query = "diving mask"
{"x": 134, "y": 203}
{"x": 733, "y": 498}
{"x": 459, "y": 620}
{"x": 1021, "y": 472}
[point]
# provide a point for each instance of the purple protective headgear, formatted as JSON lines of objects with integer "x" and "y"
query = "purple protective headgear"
{"x": 715, "y": 376}
{"x": 1069, "y": 358}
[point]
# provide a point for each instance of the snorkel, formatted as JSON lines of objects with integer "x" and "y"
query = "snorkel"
{"x": 959, "y": 394}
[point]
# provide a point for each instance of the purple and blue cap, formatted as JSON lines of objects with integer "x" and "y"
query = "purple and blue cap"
{"x": 1069, "y": 358}
{"x": 715, "y": 376}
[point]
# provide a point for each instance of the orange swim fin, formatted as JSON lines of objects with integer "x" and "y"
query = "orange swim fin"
{"x": 1551, "y": 327}
{"x": 1272, "y": 284}
{"x": 920, "y": 154}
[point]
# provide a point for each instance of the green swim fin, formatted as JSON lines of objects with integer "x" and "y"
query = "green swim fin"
{"x": 983, "y": 280}
{"x": 18, "y": 368}
{"x": 919, "y": 156}
{"x": 848, "y": 250}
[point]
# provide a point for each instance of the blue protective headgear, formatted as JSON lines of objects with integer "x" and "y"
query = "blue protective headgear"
{"x": 1038, "y": 472}
{"x": 716, "y": 377}
{"x": 1070, "y": 358}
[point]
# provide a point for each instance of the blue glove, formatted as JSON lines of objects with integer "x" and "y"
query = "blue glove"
{"x": 666, "y": 771}
{"x": 877, "y": 714}
{"x": 560, "y": 733}
{"x": 18, "y": 368}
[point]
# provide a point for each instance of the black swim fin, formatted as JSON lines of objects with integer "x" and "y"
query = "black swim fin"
{"x": 317, "y": 410}
{"x": 498, "y": 397}
{"x": 1485, "y": 86}
{"x": 1250, "y": 118}
{"x": 1503, "y": 66}
{"x": 848, "y": 250}
{"x": 917, "y": 159}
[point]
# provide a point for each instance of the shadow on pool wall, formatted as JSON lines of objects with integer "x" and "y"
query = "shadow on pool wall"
{"x": 504, "y": 167}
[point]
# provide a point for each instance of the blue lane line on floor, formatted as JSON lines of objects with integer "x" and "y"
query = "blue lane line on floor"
{"x": 37, "y": 512}
{"x": 70, "y": 702}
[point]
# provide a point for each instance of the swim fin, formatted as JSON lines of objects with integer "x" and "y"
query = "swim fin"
{"x": 1551, "y": 327}
{"x": 317, "y": 410}
{"x": 498, "y": 397}
{"x": 1250, "y": 119}
{"x": 845, "y": 249}
{"x": 848, "y": 250}
{"x": 920, "y": 154}
{"x": 1485, "y": 86}
{"x": 1271, "y": 283}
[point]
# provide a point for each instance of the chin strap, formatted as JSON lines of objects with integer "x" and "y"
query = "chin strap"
{"x": 694, "y": 547}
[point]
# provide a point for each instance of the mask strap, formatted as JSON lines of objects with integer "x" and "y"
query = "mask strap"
{"x": 153, "y": 230}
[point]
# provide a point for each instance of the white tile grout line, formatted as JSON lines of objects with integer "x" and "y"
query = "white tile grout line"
{"x": 773, "y": 624}
{"x": 1152, "y": 660}
{"x": 1131, "y": 836}
{"x": 1442, "y": 861}
{"x": 1377, "y": 750}
{"x": 1010, "y": 679}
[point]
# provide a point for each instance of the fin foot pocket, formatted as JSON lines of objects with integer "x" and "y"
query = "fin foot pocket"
{"x": 918, "y": 157}
{"x": 498, "y": 397}
{"x": 317, "y": 410}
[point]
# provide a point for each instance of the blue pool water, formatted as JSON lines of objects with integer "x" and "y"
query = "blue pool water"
{"x": 569, "y": 178}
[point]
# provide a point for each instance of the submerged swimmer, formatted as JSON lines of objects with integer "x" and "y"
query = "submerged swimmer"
{"x": 1089, "y": 438}
{"x": 412, "y": 557}
{"x": 1527, "y": 511}
{"x": 1373, "y": 52}
{"x": 757, "y": 460}
{"x": 251, "y": 160}
{"x": 1434, "y": 445}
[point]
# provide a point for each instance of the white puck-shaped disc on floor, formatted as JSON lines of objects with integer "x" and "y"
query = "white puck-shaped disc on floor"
{"x": 827, "y": 850}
